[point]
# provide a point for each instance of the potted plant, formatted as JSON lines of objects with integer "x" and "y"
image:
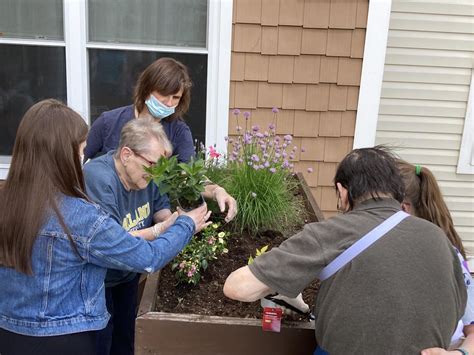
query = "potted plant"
{"x": 183, "y": 182}
{"x": 259, "y": 173}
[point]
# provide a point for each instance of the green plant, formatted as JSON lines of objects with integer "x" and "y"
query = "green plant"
{"x": 258, "y": 252}
{"x": 183, "y": 182}
{"x": 202, "y": 249}
{"x": 260, "y": 177}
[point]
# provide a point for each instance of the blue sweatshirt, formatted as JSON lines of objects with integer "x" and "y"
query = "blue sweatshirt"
{"x": 104, "y": 135}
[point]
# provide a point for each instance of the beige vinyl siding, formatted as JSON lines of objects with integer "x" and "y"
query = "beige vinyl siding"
{"x": 427, "y": 74}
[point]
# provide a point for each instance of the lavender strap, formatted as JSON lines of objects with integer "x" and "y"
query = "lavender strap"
{"x": 362, "y": 244}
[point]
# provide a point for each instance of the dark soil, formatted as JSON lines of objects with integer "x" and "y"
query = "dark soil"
{"x": 207, "y": 298}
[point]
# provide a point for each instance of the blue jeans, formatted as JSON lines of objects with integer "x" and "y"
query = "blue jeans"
{"x": 320, "y": 351}
{"x": 118, "y": 338}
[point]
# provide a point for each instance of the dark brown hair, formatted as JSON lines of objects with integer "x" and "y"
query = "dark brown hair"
{"x": 369, "y": 172}
{"x": 425, "y": 196}
{"x": 45, "y": 163}
{"x": 167, "y": 76}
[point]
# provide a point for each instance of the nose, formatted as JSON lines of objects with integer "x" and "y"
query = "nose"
{"x": 168, "y": 101}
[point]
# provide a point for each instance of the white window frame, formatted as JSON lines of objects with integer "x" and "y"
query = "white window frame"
{"x": 466, "y": 153}
{"x": 219, "y": 36}
{"x": 372, "y": 73}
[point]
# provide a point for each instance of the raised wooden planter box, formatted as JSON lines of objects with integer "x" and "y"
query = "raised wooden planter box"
{"x": 189, "y": 334}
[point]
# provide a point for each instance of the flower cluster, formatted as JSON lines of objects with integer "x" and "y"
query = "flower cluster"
{"x": 202, "y": 249}
{"x": 260, "y": 166}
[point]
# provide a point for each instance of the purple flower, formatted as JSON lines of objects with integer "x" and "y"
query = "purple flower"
{"x": 226, "y": 138}
{"x": 271, "y": 126}
{"x": 246, "y": 115}
{"x": 275, "y": 110}
{"x": 292, "y": 156}
{"x": 277, "y": 155}
{"x": 231, "y": 141}
{"x": 255, "y": 128}
{"x": 284, "y": 154}
{"x": 288, "y": 137}
{"x": 253, "y": 194}
{"x": 285, "y": 164}
{"x": 256, "y": 166}
{"x": 272, "y": 170}
{"x": 263, "y": 146}
{"x": 295, "y": 148}
{"x": 236, "y": 112}
{"x": 255, "y": 157}
{"x": 259, "y": 135}
{"x": 309, "y": 170}
{"x": 266, "y": 165}
{"x": 238, "y": 128}
{"x": 302, "y": 150}
{"x": 241, "y": 160}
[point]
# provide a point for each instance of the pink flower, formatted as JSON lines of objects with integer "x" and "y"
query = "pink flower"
{"x": 213, "y": 153}
{"x": 211, "y": 240}
{"x": 309, "y": 170}
{"x": 182, "y": 265}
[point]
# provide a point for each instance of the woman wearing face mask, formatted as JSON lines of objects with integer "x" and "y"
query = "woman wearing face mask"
{"x": 163, "y": 92}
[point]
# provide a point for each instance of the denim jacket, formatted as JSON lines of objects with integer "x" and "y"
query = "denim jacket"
{"x": 65, "y": 294}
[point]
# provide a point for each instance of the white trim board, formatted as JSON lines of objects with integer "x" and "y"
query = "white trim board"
{"x": 466, "y": 152}
{"x": 372, "y": 73}
{"x": 218, "y": 73}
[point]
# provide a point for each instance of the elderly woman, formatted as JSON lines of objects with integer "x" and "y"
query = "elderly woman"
{"x": 56, "y": 246}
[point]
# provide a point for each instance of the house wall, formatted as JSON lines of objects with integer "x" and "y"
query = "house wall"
{"x": 428, "y": 65}
{"x": 305, "y": 58}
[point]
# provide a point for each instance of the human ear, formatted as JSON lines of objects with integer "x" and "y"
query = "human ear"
{"x": 344, "y": 196}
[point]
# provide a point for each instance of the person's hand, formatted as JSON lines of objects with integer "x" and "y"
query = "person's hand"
{"x": 161, "y": 227}
{"x": 290, "y": 306}
{"x": 199, "y": 215}
{"x": 223, "y": 199}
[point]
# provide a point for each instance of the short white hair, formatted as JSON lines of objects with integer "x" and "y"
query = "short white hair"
{"x": 137, "y": 134}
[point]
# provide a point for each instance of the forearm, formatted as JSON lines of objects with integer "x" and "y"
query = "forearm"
{"x": 146, "y": 233}
{"x": 161, "y": 215}
{"x": 242, "y": 285}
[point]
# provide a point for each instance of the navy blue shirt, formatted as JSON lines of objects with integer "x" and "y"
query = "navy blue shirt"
{"x": 104, "y": 135}
{"x": 133, "y": 210}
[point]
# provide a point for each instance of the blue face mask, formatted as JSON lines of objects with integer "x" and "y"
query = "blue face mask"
{"x": 158, "y": 109}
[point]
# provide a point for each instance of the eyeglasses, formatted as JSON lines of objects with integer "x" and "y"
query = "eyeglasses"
{"x": 149, "y": 162}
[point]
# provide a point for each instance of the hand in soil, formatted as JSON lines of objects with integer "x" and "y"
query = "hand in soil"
{"x": 199, "y": 216}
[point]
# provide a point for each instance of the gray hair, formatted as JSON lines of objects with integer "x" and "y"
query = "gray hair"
{"x": 137, "y": 134}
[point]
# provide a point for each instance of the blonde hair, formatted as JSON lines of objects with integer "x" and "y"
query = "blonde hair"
{"x": 137, "y": 134}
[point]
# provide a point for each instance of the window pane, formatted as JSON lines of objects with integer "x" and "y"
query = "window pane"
{"x": 32, "y": 19}
{"x": 28, "y": 74}
{"x": 113, "y": 74}
{"x": 160, "y": 22}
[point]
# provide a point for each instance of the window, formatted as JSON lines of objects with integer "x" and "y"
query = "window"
{"x": 89, "y": 53}
{"x": 466, "y": 154}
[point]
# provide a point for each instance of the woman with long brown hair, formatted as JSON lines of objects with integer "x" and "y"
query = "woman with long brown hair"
{"x": 423, "y": 198}
{"x": 55, "y": 245}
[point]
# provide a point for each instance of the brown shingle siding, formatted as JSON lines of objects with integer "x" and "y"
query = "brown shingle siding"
{"x": 270, "y": 95}
{"x": 306, "y": 70}
{"x": 304, "y": 57}
{"x": 362, "y": 12}
{"x": 314, "y": 41}
{"x": 330, "y": 124}
{"x": 237, "y": 66}
{"x": 294, "y": 96}
{"x": 289, "y": 40}
{"x": 317, "y": 97}
{"x": 280, "y": 69}
{"x": 291, "y": 12}
{"x": 256, "y": 67}
{"x": 306, "y": 124}
{"x": 329, "y": 68}
{"x": 343, "y": 14}
{"x": 350, "y": 70}
{"x": 270, "y": 12}
{"x": 339, "y": 43}
{"x": 337, "y": 97}
{"x": 247, "y": 38}
{"x": 246, "y": 94}
{"x": 316, "y": 14}
{"x": 269, "y": 40}
{"x": 248, "y": 11}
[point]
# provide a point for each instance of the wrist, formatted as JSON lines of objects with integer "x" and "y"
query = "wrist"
{"x": 462, "y": 351}
{"x": 157, "y": 229}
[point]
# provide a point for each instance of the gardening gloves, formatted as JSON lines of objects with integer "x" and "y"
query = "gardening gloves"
{"x": 290, "y": 306}
{"x": 224, "y": 200}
